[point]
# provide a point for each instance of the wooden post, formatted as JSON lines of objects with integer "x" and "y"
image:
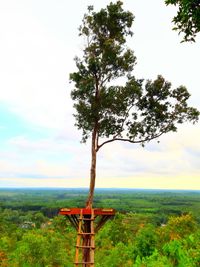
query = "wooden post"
{"x": 83, "y": 220}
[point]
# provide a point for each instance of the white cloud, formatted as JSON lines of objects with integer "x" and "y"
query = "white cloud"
{"x": 36, "y": 57}
{"x": 176, "y": 156}
{"x": 34, "y": 70}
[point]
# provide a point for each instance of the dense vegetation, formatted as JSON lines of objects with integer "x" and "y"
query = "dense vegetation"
{"x": 151, "y": 228}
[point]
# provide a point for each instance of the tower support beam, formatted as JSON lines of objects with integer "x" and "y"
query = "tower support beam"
{"x": 87, "y": 222}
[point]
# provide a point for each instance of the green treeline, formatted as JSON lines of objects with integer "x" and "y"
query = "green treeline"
{"x": 152, "y": 228}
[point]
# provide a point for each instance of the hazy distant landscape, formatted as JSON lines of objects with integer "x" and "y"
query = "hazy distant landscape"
{"x": 152, "y": 202}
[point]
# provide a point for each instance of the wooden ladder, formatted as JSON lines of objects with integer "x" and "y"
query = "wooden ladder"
{"x": 85, "y": 244}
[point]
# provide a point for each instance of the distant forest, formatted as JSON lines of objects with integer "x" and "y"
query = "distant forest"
{"x": 151, "y": 228}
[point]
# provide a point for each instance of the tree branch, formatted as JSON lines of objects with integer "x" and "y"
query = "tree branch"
{"x": 131, "y": 141}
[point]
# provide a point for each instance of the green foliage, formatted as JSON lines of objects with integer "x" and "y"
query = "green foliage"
{"x": 177, "y": 254}
{"x": 41, "y": 248}
{"x": 187, "y": 20}
{"x": 105, "y": 58}
{"x": 145, "y": 241}
{"x": 137, "y": 111}
{"x": 118, "y": 230}
{"x": 156, "y": 259}
{"x": 146, "y": 247}
{"x": 119, "y": 256}
{"x": 192, "y": 245}
{"x": 178, "y": 227}
{"x": 155, "y": 204}
{"x": 137, "y": 238}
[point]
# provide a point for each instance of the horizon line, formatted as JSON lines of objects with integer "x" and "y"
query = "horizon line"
{"x": 100, "y": 188}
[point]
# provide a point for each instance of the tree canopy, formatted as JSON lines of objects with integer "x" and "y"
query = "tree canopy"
{"x": 187, "y": 20}
{"x": 141, "y": 110}
{"x": 111, "y": 103}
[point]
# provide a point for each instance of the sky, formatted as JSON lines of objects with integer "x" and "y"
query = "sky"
{"x": 39, "y": 144}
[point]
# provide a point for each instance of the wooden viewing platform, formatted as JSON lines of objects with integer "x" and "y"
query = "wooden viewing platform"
{"x": 97, "y": 211}
{"x": 87, "y": 222}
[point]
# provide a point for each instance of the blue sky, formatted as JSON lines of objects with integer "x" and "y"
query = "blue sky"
{"x": 39, "y": 145}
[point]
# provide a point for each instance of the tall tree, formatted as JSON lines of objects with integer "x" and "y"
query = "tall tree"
{"x": 187, "y": 19}
{"x": 135, "y": 110}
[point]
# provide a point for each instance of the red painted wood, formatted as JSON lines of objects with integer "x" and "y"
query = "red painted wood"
{"x": 85, "y": 211}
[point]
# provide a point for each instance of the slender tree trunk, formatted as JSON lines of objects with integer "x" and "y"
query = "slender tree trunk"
{"x": 92, "y": 170}
{"x": 93, "y": 151}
